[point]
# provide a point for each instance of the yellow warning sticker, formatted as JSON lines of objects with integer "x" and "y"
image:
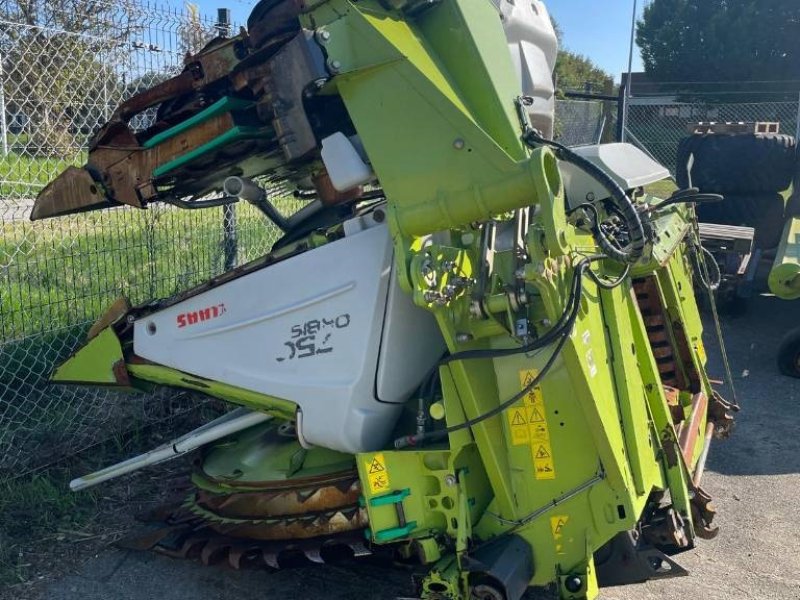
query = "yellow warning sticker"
{"x": 526, "y": 378}
{"x": 528, "y": 426}
{"x": 536, "y": 415}
{"x": 377, "y": 474}
{"x": 701, "y": 352}
{"x": 557, "y": 524}
{"x": 518, "y": 423}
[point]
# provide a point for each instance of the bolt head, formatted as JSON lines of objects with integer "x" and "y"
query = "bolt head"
{"x": 450, "y": 480}
{"x": 324, "y": 35}
{"x": 459, "y": 144}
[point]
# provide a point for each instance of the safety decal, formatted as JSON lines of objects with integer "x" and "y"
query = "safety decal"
{"x": 557, "y": 524}
{"x": 701, "y": 352}
{"x": 528, "y": 426}
{"x": 377, "y": 475}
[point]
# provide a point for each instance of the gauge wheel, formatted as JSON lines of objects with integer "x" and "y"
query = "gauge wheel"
{"x": 789, "y": 354}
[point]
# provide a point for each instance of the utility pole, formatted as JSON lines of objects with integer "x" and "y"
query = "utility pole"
{"x": 627, "y": 88}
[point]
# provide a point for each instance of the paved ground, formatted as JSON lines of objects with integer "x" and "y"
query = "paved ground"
{"x": 755, "y": 478}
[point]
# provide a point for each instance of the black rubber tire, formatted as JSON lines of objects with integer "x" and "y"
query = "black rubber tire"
{"x": 793, "y": 205}
{"x": 763, "y": 212}
{"x": 686, "y": 148}
{"x": 738, "y": 164}
{"x": 789, "y": 354}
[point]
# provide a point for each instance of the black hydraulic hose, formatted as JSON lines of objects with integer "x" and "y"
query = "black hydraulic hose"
{"x": 609, "y": 285}
{"x": 548, "y": 338}
{"x": 574, "y": 308}
{"x": 687, "y": 196}
{"x": 624, "y": 204}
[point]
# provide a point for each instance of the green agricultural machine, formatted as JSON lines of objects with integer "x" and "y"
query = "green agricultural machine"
{"x": 784, "y": 282}
{"x": 472, "y": 348}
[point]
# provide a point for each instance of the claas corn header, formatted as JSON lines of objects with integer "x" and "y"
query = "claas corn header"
{"x": 472, "y": 347}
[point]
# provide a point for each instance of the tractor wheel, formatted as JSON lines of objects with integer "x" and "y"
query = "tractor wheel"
{"x": 793, "y": 205}
{"x": 738, "y": 164}
{"x": 764, "y": 212}
{"x": 789, "y": 354}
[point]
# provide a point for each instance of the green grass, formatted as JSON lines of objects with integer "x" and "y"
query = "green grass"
{"x": 59, "y": 272}
{"x": 662, "y": 189}
{"x": 23, "y": 176}
{"x": 33, "y": 508}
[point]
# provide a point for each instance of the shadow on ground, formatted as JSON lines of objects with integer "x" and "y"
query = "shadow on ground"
{"x": 766, "y": 440}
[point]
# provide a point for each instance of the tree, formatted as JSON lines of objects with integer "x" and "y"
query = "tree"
{"x": 733, "y": 41}
{"x": 58, "y": 66}
{"x": 576, "y": 72}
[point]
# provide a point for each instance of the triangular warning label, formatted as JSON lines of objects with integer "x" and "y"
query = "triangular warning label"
{"x": 536, "y": 416}
{"x": 542, "y": 452}
{"x": 376, "y": 467}
{"x": 529, "y": 378}
{"x": 519, "y": 418}
{"x": 559, "y": 526}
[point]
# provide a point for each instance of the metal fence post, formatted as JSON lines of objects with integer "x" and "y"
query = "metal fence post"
{"x": 797, "y": 133}
{"x": 622, "y": 113}
{"x": 3, "y": 122}
{"x": 229, "y": 210}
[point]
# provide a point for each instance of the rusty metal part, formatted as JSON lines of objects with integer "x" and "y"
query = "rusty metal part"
{"x": 175, "y": 86}
{"x": 674, "y": 401}
{"x": 116, "y": 311}
{"x": 193, "y": 540}
{"x": 328, "y": 195}
{"x": 655, "y": 320}
{"x": 73, "y": 191}
{"x": 689, "y": 431}
{"x": 666, "y": 529}
{"x": 309, "y": 518}
{"x": 295, "y": 527}
{"x": 214, "y": 62}
{"x": 703, "y": 513}
{"x": 294, "y": 508}
{"x": 720, "y": 412}
{"x": 290, "y": 502}
{"x": 685, "y": 356}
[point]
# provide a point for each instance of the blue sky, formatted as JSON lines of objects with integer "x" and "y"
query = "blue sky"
{"x": 598, "y": 30}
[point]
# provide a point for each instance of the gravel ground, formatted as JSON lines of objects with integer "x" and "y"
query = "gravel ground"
{"x": 754, "y": 478}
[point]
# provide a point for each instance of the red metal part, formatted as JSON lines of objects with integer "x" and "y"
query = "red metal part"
{"x": 690, "y": 430}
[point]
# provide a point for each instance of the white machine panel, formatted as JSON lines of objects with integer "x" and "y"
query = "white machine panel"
{"x": 629, "y": 166}
{"x": 534, "y": 48}
{"x": 311, "y": 329}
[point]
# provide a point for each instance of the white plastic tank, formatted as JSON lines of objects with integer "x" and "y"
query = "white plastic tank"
{"x": 534, "y": 49}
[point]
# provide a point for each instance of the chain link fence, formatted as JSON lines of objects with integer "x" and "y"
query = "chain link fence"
{"x": 64, "y": 67}
{"x": 584, "y": 122}
{"x": 658, "y": 125}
